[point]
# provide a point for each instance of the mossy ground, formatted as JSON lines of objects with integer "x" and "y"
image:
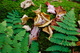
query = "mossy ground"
{"x": 9, "y": 5}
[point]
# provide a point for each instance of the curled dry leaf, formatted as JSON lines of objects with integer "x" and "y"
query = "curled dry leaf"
{"x": 48, "y": 30}
{"x": 41, "y": 19}
{"x": 24, "y": 19}
{"x": 51, "y": 8}
{"x": 46, "y": 24}
{"x": 34, "y": 34}
{"x": 27, "y": 27}
{"x": 27, "y": 3}
{"x": 60, "y": 11}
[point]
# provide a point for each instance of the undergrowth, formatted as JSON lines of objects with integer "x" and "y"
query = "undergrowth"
{"x": 9, "y": 5}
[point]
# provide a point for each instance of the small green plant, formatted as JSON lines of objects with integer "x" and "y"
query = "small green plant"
{"x": 66, "y": 36}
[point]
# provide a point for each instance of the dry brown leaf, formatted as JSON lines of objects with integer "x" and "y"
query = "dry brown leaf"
{"x": 45, "y": 16}
{"x": 41, "y": 19}
{"x": 27, "y": 3}
{"x": 24, "y": 19}
{"x": 60, "y": 11}
{"x": 51, "y": 32}
{"x": 48, "y": 30}
{"x": 46, "y": 24}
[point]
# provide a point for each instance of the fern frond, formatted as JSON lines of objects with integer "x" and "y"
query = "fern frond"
{"x": 62, "y": 42}
{"x": 71, "y": 15}
{"x": 66, "y": 26}
{"x": 24, "y": 44}
{"x": 58, "y": 48}
{"x": 68, "y": 23}
{"x": 62, "y": 30}
{"x": 13, "y": 19}
{"x": 20, "y": 35}
{"x": 65, "y": 37}
{"x": 71, "y": 21}
{"x": 34, "y": 47}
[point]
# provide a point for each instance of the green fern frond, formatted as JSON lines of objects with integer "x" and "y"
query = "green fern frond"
{"x": 58, "y": 48}
{"x": 62, "y": 30}
{"x": 71, "y": 15}
{"x": 71, "y": 21}
{"x": 13, "y": 19}
{"x": 66, "y": 26}
{"x": 68, "y": 23}
{"x": 65, "y": 37}
{"x": 24, "y": 44}
{"x": 34, "y": 47}
{"x": 62, "y": 42}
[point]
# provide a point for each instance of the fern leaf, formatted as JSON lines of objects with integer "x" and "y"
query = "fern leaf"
{"x": 62, "y": 30}
{"x": 17, "y": 26}
{"x": 20, "y": 35}
{"x": 34, "y": 45}
{"x": 24, "y": 44}
{"x": 66, "y": 26}
{"x": 71, "y": 15}
{"x": 71, "y": 21}
{"x": 62, "y": 42}
{"x": 6, "y": 49}
{"x": 58, "y": 48}
{"x": 68, "y": 23}
{"x": 65, "y": 37}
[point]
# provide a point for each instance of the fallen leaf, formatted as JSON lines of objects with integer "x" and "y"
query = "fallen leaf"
{"x": 45, "y": 16}
{"x": 27, "y": 3}
{"x": 48, "y": 30}
{"x": 51, "y": 8}
{"x": 51, "y": 32}
{"x": 41, "y": 19}
{"x": 46, "y": 24}
{"x": 26, "y": 27}
{"x": 24, "y": 19}
{"x": 60, "y": 11}
{"x": 34, "y": 34}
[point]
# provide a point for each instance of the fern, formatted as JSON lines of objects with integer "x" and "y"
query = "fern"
{"x": 57, "y": 48}
{"x": 18, "y": 44}
{"x": 34, "y": 47}
{"x": 62, "y": 36}
{"x": 67, "y": 29}
{"x": 13, "y": 19}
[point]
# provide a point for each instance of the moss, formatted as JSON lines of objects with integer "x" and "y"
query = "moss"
{"x": 9, "y": 5}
